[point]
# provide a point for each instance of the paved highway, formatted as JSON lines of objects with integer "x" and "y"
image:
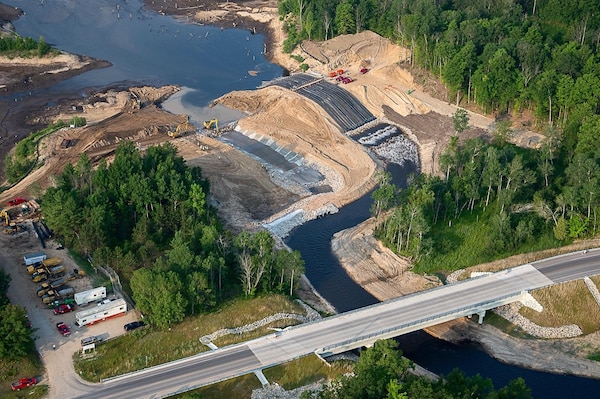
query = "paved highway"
{"x": 571, "y": 266}
{"x": 349, "y": 329}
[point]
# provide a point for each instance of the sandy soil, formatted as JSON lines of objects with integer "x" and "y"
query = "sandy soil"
{"x": 387, "y": 276}
{"x": 243, "y": 188}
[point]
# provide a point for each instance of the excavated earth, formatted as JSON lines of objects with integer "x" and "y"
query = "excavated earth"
{"x": 244, "y": 190}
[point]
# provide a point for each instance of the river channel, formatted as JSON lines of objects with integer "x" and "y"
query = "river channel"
{"x": 146, "y": 48}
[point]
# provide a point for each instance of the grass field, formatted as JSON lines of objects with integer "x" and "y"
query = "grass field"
{"x": 291, "y": 375}
{"x": 567, "y": 303}
{"x": 139, "y": 349}
{"x": 11, "y": 371}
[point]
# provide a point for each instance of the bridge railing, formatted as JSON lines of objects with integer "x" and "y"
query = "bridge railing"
{"x": 465, "y": 309}
{"x": 393, "y": 300}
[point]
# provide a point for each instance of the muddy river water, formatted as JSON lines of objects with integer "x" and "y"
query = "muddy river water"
{"x": 147, "y": 48}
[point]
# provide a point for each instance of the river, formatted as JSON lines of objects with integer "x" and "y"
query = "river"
{"x": 146, "y": 48}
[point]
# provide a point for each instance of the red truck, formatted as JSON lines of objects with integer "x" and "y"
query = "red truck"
{"x": 63, "y": 329}
{"x": 64, "y": 308}
{"x": 17, "y": 201}
{"x": 23, "y": 383}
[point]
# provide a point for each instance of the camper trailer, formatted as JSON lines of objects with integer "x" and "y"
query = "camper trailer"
{"x": 96, "y": 314}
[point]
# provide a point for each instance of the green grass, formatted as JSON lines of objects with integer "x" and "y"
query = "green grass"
{"x": 13, "y": 370}
{"x": 291, "y": 375}
{"x": 504, "y": 325}
{"x": 567, "y": 303}
{"x": 304, "y": 371}
{"x": 466, "y": 242}
{"x": 139, "y": 349}
{"x": 594, "y": 356}
{"x": 34, "y": 392}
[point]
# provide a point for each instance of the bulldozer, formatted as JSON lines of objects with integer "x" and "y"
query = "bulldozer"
{"x": 181, "y": 129}
{"x": 212, "y": 124}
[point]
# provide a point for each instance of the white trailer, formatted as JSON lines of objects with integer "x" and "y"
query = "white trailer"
{"x": 85, "y": 297}
{"x": 87, "y": 317}
{"x": 33, "y": 258}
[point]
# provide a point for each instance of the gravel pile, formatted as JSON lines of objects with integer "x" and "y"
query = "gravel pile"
{"x": 397, "y": 149}
{"x": 277, "y": 392}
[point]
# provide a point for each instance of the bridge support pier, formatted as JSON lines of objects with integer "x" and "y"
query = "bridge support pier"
{"x": 481, "y": 316}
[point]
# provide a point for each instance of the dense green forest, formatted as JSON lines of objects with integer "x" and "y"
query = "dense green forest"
{"x": 16, "y": 335}
{"x": 146, "y": 216}
{"x": 495, "y": 199}
{"x": 13, "y": 45}
{"x": 505, "y": 57}
{"x": 381, "y": 372}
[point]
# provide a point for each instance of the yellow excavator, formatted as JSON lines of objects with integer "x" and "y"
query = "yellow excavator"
{"x": 4, "y": 215}
{"x": 213, "y": 123}
{"x": 181, "y": 129}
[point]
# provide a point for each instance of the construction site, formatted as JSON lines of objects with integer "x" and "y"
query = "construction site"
{"x": 20, "y": 215}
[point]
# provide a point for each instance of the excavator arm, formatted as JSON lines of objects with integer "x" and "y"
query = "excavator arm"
{"x": 213, "y": 123}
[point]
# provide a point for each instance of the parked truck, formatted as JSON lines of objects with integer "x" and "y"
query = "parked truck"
{"x": 58, "y": 302}
{"x": 53, "y": 295}
{"x": 45, "y": 264}
{"x": 35, "y": 269}
{"x": 96, "y": 314}
{"x": 75, "y": 274}
{"x": 33, "y": 258}
{"x": 93, "y": 295}
{"x": 39, "y": 276}
{"x": 45, "y": 273}
{"x": 47, "y": 286}
{"x": 51, "y": 262}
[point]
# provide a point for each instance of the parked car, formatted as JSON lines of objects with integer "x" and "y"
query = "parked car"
{"x": 104, "y": 302}
{"x": 64, "y": 308}
{"x": 94, "y": 339}
{"x": 17, "y": 201}
{"x": 63, "y": 329}
{"x": 133, "y": 325}
{"x": 23, "y": 383}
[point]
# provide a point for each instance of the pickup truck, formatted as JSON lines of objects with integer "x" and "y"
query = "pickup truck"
{"x": 63, "y": 329}
{"x": 64, "y": 308}
{"x": 94, "y": 339}
{"x": 23, "y": 383}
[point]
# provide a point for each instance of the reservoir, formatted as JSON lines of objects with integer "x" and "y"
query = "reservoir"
{"x": 146, "y": 48}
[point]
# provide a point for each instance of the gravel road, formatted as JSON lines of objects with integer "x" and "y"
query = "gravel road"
{"x": 60, "y": 374}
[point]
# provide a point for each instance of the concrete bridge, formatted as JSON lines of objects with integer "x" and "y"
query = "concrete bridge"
{"x": 335, "y": 334}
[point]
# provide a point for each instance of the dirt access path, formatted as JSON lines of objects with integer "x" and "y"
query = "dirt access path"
{"x": 246, "y": 193}
{"x": 62, "y": 379}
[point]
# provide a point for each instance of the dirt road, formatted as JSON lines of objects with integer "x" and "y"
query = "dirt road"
{"x": 246, "y": 193}
{"x": 23, "y": 292}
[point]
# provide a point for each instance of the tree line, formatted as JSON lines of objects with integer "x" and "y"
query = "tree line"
{"x": 382, "y": 373}
{"x": 16, "y": 334}
{"x": 514, "y": 198}
{"x": 24, "y": 46}
{"x": 503, "y": 55}
{"x": 147, "y": 216}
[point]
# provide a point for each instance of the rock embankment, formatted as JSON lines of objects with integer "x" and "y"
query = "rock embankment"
{"x": 511, "y": 313}
{"x": 310, "y": 315}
